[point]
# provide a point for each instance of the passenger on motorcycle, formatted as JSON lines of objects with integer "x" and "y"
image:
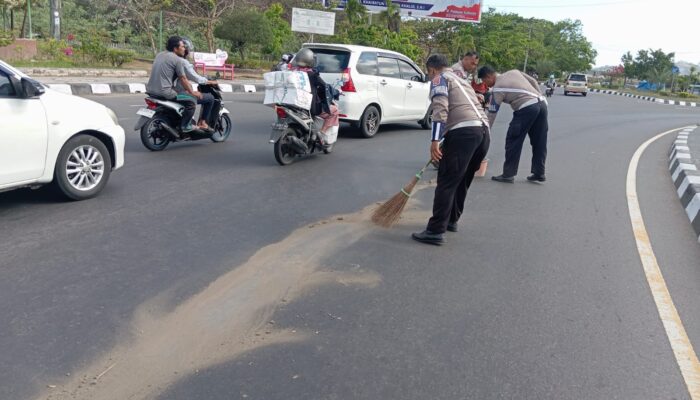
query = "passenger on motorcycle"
{"x": 551, "y": 83}
{"x": 207, "y": 99}
{"x": 168, "y": 68}
{"x": 323, "y": 94}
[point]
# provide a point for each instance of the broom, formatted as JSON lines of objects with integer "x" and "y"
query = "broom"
{"x": 388, "y": 213}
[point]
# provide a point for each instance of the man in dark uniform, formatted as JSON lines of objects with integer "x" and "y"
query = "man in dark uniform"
{"x": 458, "y": 118}
{"x": 523, "y": 94}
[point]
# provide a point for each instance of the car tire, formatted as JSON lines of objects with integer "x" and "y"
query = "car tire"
{"x": 427, "y": 121}
{"x": 584, "y": 94}
{"x": 566, "y": 93}
{"x": 82, "y": 167}
{"x": 369, "y": 122}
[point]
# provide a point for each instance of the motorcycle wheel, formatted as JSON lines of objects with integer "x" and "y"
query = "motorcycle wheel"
{"x": 153, "y": 137}
{"x": 223, "y": 129}
{"x": 283, "y": 152}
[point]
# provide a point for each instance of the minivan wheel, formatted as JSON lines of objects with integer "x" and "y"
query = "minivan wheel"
{"x": 369, "y": 122}
{"x": 82, "y": 168}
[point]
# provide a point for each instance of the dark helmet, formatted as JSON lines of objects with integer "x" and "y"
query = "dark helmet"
{"x": 305, "y": 58}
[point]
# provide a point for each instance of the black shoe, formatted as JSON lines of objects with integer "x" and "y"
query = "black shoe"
{"x": 429, "y": 238}
{"x": 503, "y": 179}
{"x": 536, "y": 178}
{"x": 452, "y": 227}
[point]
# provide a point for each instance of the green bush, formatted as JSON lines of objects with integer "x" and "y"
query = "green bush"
{"x": 53, "y": 50}
{"x": 117, "y": 57}
{"x": 6, "y": 39}
{"x": 663, "y": 93}
{"x": 686, "y": 95}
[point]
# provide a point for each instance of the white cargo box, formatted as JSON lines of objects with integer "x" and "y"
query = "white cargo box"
{"x": 288, "y": 88}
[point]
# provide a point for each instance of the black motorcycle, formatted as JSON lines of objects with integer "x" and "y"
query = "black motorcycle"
{"x": 296, "y": 134}
{"x": 160, "y": 121}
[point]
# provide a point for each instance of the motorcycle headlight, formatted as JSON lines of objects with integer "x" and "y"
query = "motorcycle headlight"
{"x": 113, "y": 116}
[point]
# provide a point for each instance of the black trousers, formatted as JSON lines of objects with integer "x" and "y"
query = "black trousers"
{"x": 529, "y": 121}
{"x": 462, "y": 153}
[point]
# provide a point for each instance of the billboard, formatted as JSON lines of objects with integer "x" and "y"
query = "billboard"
{"x": 454, "y": 10}
{"x": 311, "y": 21}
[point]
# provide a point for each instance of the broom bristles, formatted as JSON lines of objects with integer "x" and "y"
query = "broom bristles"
{"x": 389, "y": 213}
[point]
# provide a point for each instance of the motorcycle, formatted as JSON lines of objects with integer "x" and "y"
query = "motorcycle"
{"x": 296, "y": 134}
{"x": 549, "y": 91}
{"x": 161, "y": 118}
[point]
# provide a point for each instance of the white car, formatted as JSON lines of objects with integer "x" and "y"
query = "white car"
{"x": 379, "y": 86}
{"x": 47, "y": 136}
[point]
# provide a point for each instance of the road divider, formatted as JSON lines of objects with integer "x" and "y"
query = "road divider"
{"x": 684, "y": 157}
{"x": 648, "y": 98}
{"x": 682, "y": 348}
{"x": 132, "y": 88}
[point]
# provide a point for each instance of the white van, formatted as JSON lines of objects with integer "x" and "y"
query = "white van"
{"x": 576, "y": 83}
{"x": 379, "y": 86}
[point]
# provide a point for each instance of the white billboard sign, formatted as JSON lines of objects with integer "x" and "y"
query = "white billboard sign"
{"x": 311, "y": 21}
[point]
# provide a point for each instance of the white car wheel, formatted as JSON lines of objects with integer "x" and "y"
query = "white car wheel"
{"x": 82, "y": 168}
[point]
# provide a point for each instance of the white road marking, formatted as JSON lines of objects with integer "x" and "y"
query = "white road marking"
{"x": 675, "y": 331}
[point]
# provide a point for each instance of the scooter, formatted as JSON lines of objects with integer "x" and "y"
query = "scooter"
{"x": 161, "y": 118}
{"x": 297, "y": 134}
{"x": 549, "y": 91}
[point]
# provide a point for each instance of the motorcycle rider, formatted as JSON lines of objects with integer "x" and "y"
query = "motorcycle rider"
{"x": 551, "y": 83}
{"x": 168, "y": 67}
{"x": 283, "y": 65}
{"x": 323, "y": 95}
{"x": 207, "y": 99}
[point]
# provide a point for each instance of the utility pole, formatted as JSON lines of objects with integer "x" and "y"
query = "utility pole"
{"x": 527, "y": 52}
{"x": 29, "y": 17}
{"x": 160, "y": 32}
{"x": 55, "y": 19}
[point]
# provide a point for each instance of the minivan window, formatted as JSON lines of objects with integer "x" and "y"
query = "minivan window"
{"x": 389, "y": 67}
{"x": 6, "y": 87}
{"x": 332, "y": 61}
{"x": 577, "y": 77}
{"x": 367, "y": 63}
{"x": 409, "y": 73}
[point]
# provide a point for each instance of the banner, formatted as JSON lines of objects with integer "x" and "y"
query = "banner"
{"x": 455, "y": 10}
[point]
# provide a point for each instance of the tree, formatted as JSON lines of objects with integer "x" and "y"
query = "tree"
{"x": 243, "y": 29}
{"x": 391, "y": 17}
{"x": 629, "y": 66}
{"x": 281, "y": 31}
{"x": 355, "y": 12}
{"x": 206, "y": 12}
{"x": 142, "y": 13}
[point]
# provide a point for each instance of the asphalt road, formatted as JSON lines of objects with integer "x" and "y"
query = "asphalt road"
{"x": 207, "y": 271}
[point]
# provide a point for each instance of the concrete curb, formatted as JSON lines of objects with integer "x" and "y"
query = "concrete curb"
{"x": 684, "y": 159}
{"x": 648, "y": 98}
{"x": 83, "y": 89}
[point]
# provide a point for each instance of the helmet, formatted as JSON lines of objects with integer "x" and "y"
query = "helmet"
{"x": 305, "y": 58}
{"x": 286, "y": 57}
{"x": 551, "y": 76}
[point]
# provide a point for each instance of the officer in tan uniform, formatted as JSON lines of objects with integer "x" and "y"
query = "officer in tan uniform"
{"x": 523, "y": 94}
{"x": 462, "y": 123}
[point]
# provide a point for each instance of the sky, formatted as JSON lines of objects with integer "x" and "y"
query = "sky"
{"x": 616, "y": 26}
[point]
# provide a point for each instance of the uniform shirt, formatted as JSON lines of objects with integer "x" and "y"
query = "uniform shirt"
{"x": 450, "y": 107}
{"x": 167, "y": 68}
{"x": 514, "y": 88}
{"x": 476, "y": 83}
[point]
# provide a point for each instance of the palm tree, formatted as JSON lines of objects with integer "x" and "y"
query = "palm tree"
{"x": 355, "y": 11}
{"x": 391, "y": 17}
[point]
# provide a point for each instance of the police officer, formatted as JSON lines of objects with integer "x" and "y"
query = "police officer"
{"x": 466, "y": 68}
{"x": 463, "y": 125}
{"x": 523, "y": 94}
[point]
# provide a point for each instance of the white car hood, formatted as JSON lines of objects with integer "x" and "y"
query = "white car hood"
{"x": 74, "y": 111}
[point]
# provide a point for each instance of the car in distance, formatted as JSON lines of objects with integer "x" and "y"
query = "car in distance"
{"x": 51, "y": 137}
{"x": 576, "y": 83}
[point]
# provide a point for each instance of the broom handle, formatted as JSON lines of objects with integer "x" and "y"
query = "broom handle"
{"x": 419, "y": 174}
